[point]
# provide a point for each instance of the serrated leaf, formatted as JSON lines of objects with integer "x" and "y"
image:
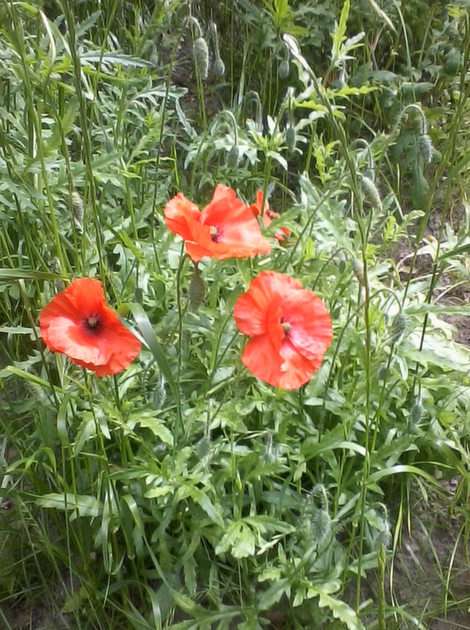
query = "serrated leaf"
{"x": 157, "y": 428}
{"x": 273, "y": 594}
{"x": 341, "y": 611}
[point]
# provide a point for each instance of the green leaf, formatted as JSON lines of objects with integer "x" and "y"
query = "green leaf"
{"x": 157, "y": 428}
{"x": 9, "y": 275}
{"x": 341, "y": 611}
{"x": 339, "y": 34}
{"x": 239, "y": 540}
{"x": 115, "y": 58}
{"x": 32, "y": 378}
{"x": 456, "y": 251}
{"x": 16, "y": 330}
{"x": 329, "y": 442}
{"x": 84, "y": 505}
{"x": 381, "y": 13}
{"x": 398, "y": 470}
{"x": 438, "y": 351}
{"x": 206, "y": 504}
{"x": 273, "y": 594}
{"x": 150, "y": 338}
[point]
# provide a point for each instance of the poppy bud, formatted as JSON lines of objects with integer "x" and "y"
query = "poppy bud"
{"x": 370, "y": 192}
{"x": 284, "y": 69}
{"x": 358, "y": 269}
{"x": 233, "y": 157}
{"x": 425, "y": 147}
{"x": 291, "y": 138}
{"x": 77, "y": 206}
{"x": 398, "y": 327}
{"x": 219, "y": 67}
{"x": 382, "y": 373}
{"x": 452, "y": 62}
{"x": 197, "y": 289}
{"x": 420, "y": 190}
{"x": 201, "y": 57}
{"x": 416, "y": 412}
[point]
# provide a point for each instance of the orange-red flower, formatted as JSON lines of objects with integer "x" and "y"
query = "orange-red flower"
{"x": 226, "y": 228}
{"x": 78, "y": 323}
{"x": 268, "y": 216}
{"x": 289, "y": 326}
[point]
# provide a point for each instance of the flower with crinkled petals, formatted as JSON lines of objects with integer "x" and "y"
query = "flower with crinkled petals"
{"x": 289, "y": 329}
{"x": 268, "y": 216}
{"x": 78, "y": 323}
{"x": 226, "y": 227}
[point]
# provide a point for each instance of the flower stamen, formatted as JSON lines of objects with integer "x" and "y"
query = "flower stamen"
{"x": 215, "y": 233}
{"x": 286, "y": 327}
{"x": 92, "y": 322}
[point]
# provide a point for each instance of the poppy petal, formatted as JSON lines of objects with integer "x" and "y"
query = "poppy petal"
{"x": 296, "y": 370}
{"x": 224, "y": 192}
{"x": 236, "y": 225}
{"x": 182, "y": 216}
{"x": 263, "y": 360}
{"x": 310, "y": 323}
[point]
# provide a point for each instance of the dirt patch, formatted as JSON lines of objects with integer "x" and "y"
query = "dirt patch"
{"x": 431, "y": 575}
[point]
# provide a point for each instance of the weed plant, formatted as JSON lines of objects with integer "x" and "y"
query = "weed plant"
{"x": 183, "y": 492}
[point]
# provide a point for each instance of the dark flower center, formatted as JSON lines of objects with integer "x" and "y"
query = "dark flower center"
{"x": 215, "y": 233}
{"x": 286, "y": 327}
{"x": 93, "y": 322}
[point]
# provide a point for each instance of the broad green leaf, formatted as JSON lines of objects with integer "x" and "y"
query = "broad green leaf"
{"x": 239, "y": 540}
{"x": 273, "y": 594}
{"x": 341, "y": 611}
{"x": 206, "y": 504}
{"x": 330, "y": 441}
{"x": 115, "y": 58}
{"x": 158, "y": 429}
{"x": 84, "y": 505}
{"x": 438, "y": 351}
{"x": 399, "y": 469}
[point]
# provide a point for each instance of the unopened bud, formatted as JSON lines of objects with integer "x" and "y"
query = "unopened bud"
{"x": 233, "y": 157}
{"x": 291, "y": 138}
{"x": 358, "y": 269}
{"x": 398, "y": 327}
{"x": 416, "y": 412}
{"x": 77, "y": 206}
{"x": 197, "y": 289}
{"x": 425, "y": 147}
{"x": 201, "y": 57}
{"x": 219, "y": 67}
{"x": 370, "y": 192}
{"x": 284, "y": 69}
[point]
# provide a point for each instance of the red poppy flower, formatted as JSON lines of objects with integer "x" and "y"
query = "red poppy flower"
{"x": 289, "y": 326}
{"x": 79, "y": 323}
{"x": 268, "y": 216}
{"x": 226, "y": 228}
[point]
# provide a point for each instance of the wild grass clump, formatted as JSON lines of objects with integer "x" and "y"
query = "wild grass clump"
{"x": 233, "y": 269}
